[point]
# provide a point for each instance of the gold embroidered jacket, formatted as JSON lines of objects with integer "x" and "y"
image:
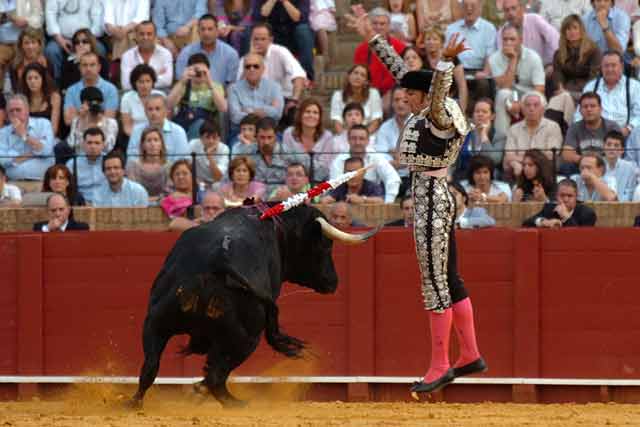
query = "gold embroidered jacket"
{"x": 433, "y": 137}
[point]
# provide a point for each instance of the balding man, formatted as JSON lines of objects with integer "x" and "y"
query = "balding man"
{"x": 26, "y": 143}
{"x": 59, "y": 210}
{"x": 211, "y": 206}
{"x": 254, "y": 94}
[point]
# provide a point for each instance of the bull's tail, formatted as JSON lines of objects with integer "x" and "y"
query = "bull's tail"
{"x": 280, "y": 342}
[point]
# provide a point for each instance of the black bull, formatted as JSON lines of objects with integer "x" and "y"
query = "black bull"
{"x": 220, "y": 282}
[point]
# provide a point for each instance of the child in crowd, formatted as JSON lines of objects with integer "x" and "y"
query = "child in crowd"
{"x": 247, "y": 133}
{"x": 403, "y": 23}
{"x": 322, "y": 18}
{"x": 10, "y": 196}
{"x": 352, "y": 114}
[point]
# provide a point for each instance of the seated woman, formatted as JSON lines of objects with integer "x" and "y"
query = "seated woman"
{"x": 536, "y": 182}
{"x": 175, "y": 204}
{"x": 483, "y": 139}
{"x": 432, "y": 41}
{"x": 143, "y": 78}
{"x": 29, "y": 50}
{"x": 413, "y": 58}
{"x": 480, "y": 186}
{"x": 44, "y": 99}
{"x": 83, "y": 42}
{"x": 242, "y": 171}
{"x": 58, "y": 179}
{"x": 437, "y": 12}
{"x": 150, "y": 169}
{"x": 196, "y": 96}
{"x": 357, "y": 89}
{"x": 308, "y": 137}
{"x": 92, "y": 115}
{"x": 577, "y": 59}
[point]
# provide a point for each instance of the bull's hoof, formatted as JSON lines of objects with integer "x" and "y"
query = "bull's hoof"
{"x": 200, "y": 388}
{"x": 233, "y": 403}
{"x": 133, "y": 404}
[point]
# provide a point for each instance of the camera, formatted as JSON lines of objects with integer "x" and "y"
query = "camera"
{"x": 199, "y": 73}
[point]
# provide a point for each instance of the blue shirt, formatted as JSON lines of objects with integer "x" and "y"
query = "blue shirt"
{"x": 619, "y": 23}
{"x": 480, "y": 37}
{"x": 169, "y": 15}
{"x": 175, "y": 141}
{"x": 12, "y": 146}
{"x": 9, "y": 32}
{"x": 625, "y": 174}
{"x": 89, "y": 176}
{"x": 244, "y": 99}
{"x": 223, "y": 61}
{"x": 131, "y": 194}
{"x": 109, "y": 93}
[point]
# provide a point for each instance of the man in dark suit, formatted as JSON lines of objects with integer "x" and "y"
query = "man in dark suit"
{"x": 406, "y": 204}
{"x": 59, "y": 210}
{"x": 566, "y": 212}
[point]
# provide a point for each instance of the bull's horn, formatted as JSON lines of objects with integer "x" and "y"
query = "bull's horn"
{"x": 350, "y": 239}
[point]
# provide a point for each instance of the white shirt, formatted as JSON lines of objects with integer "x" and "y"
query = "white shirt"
{"x": 132, "y": 104}
{"x": 382, "y": 172}
{"x": 372, "y": 107}
{"x": 554, "y": 11}
{"x": 11, "y": 193}
{"x": 124, "y": 12}
{"x": 280, "y": 66}
{"x": 161, "y": 61}
{"x": 221, "y": 157}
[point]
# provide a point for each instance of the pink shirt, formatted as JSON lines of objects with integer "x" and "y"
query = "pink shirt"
{"x": 538, "y": 35}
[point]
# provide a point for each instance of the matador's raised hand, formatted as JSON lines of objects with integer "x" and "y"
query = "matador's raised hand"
{"x": 454, "y": 47}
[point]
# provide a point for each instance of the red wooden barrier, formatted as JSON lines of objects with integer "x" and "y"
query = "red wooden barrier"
{"x": 547, "y": 304}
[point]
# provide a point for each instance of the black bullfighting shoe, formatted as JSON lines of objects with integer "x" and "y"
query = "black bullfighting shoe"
{"x": 476, "y": 367}
{"x": 422, "y": 387}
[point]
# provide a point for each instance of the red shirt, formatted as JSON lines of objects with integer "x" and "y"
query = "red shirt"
{"x": 381, "y": 78}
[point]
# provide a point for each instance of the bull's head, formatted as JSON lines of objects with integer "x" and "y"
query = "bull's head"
{"x": 312, "y": 264}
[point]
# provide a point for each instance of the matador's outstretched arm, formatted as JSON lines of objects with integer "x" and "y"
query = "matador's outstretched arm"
{"x": 388, "y": 56}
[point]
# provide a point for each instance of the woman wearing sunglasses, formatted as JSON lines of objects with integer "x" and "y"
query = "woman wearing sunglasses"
{"x": 83, "y": 41}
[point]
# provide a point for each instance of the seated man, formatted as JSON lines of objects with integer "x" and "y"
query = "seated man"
{"x": 10, "y": 195}
{"x": 177, "y": 21}
{"x": 26, "y": 143}
{"x": 223, "y": 59}
{"x": 59, "y": 210}
{"x": 211, "y": 206}
{"x": 119, "y": 191}
{"x": 90, "y": 72}
{"x": 592, "y": 184}
{"x": 357, "y": 190}
{"x": 297, "y": 181}
{"x": 623, "y": 172}
{"x": 516, "y": 70}
{"x": 587, "y": 134}
{"x": 535, "y": 131}
{"x": 565, "y": 212}
{"x": 254, "y": 93}
{"x": 381, "y": 170}
{"x": 408, "y": 212}
{"x": 150, "y": 52}
{"x": 340, "y": 216}
{"x": 89, "y": 176}
{"x": 175, "y": 138}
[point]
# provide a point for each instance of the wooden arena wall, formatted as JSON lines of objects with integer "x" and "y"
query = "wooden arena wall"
{"x": 548, "y": 304}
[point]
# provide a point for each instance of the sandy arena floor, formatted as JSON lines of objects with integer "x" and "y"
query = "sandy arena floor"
{"x": 92, "y": 406}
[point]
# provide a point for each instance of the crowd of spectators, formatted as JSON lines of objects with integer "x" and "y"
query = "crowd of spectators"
{"x": 170, "y": 103}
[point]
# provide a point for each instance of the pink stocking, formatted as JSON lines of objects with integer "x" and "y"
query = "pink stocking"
{"x": 465, "y": 329}
{"x": 440, "y": 334}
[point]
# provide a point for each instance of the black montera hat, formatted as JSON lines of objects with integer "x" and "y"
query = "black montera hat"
{"x": 417, "y": 80}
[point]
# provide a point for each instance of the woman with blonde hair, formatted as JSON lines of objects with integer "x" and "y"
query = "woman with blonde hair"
{"x": 150, "y": 169}
{"x": 431, "y": 42}
{"x": 29, "y": 49}
{"x": 577, "y": 59}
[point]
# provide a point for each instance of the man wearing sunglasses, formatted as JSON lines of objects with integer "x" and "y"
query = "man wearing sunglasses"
{"x": 254, "y": 94}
